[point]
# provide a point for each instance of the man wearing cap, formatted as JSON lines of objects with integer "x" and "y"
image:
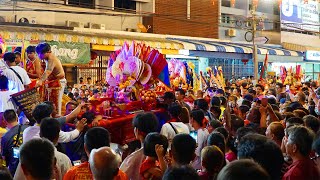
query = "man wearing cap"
{"x": 53, "y": 73}
{"x": 220, "y": 93}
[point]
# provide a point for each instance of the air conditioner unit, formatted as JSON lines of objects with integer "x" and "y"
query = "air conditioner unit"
{"x": 5, "y": 19}
{"x": 74, "y": 24}
{"x": 97, "y": 26}
{"x": 231, "y": 32}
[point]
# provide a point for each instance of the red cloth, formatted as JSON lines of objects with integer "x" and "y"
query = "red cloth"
{"x": 83, "y": 172}
{"x": 173, "y": 120}
{"x": 208, "y": 99}
{"x": 246, "y": 122}
{"x": 145, "y": 166}
{"x": 205, "y": 122}
{"x": 302, "y": 169}
{"x": 204, "y": 175}
{"x": 231, "y": 156}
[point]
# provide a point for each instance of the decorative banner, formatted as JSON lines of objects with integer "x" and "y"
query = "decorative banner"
{"x": 300, "y": 15}
{"x": 71, "y": 53}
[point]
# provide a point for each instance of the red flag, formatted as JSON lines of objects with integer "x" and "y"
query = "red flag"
{"x": 264, "y": 68}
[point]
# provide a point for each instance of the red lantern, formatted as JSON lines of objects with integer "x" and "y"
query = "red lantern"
{"x": 244, "y": 61}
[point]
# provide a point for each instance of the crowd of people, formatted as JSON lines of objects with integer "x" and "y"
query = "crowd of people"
{"x": 266, "y": 131}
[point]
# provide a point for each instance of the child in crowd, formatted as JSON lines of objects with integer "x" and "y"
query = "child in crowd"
{"x": 155, "y": 148}
{"x": 212, "y": 161}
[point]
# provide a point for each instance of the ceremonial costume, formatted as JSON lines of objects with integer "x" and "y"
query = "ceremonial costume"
{"x": 54, "y": 86}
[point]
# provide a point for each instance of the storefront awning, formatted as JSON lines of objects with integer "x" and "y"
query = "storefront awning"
{"x": 230, "y": 47}
{"x": 297, "y": 47}
{"x": 98, "y": 41}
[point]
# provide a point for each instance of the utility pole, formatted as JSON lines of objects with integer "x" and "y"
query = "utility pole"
{"x": 255, "y": 48}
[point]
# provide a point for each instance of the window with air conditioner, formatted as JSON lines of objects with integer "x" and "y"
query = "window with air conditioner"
{"x": 123, "y": 5}
{"x": 225, "y": 18}
{"x": 81, "y": 3}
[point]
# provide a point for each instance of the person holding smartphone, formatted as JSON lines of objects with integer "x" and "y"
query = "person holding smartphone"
{"x": 12, "y": 140}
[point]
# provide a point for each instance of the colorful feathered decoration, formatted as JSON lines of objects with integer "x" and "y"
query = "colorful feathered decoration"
{"x": 188, "y": 74}
{"x": 3, "y": 46}
{"x": 195, "y": 79}
{"x": 137, "y": 63}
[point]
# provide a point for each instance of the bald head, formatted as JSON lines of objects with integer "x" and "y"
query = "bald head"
{"x": 104, "y": 163}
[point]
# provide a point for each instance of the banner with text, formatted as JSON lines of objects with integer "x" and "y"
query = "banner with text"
{"x": 300, "y": 15}
{"x": 71, "y": 53}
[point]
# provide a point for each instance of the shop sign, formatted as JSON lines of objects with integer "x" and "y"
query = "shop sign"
{"x": 261, "y": 40}
{"x": 313, "y": 55}
{"x": 300, "y": 15}
{"x": 71, "y": 53}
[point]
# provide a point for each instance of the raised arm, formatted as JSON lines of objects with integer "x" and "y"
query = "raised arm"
{"x": 47, "y": 72}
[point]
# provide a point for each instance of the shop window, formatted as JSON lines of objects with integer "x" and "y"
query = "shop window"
{"x": 82, "y": 3}
{"x": 233, "y": 67}
{"x": 125, "y": 5}
{"x": 97, "y": 71}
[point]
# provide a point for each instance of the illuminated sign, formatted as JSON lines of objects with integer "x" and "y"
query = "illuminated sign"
{"x": 300, "y": 15}
{"x": 313, "y": 55}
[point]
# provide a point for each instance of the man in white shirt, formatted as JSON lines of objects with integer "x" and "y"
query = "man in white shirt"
{"x": 174, "y": 126}
{"x": 50, "y": 129}
{"x": 42, "y": 111}
{"x": 18, "y": 77}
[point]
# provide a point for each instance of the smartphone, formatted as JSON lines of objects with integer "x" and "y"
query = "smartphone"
{"x": 287, "y": 88}
{"x": 264, "y": 102}
{"x": 194, "y": 135}
{"x": 16, "y": 152}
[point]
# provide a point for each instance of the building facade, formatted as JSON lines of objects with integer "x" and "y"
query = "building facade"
{"x": 195, "y": 18}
